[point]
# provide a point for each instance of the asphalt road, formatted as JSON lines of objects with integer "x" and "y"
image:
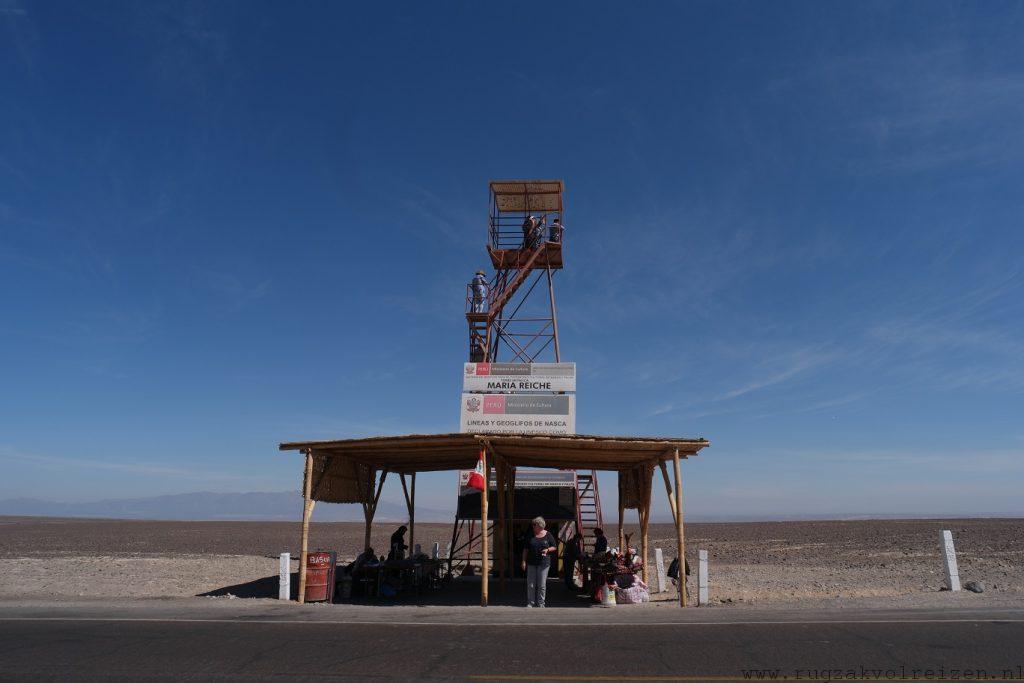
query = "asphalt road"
{"x": 90, "y": 644}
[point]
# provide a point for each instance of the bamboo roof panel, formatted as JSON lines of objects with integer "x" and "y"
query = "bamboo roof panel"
{"x": 435, "y": 452}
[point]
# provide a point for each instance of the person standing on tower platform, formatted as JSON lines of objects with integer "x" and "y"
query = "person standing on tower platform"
{"x": 530, "y": 226}
{"x": 556, "y": 230}
{"x": 479, "y": 289}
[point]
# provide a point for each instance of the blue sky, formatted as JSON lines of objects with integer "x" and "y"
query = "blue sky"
{"x": 793, "y": 229}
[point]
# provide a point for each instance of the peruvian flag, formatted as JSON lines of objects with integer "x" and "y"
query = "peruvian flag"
{"x": 476, "y": 477}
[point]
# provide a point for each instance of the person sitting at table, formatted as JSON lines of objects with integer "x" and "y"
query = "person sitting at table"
{"x": 357, "y": 570}
{"x": 600, "y": 541}
{"x": 368, "y": 556}
{"x": 398, "y": 545}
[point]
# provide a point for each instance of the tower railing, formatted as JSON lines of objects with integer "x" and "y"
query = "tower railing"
{"x": 506, "y": 229}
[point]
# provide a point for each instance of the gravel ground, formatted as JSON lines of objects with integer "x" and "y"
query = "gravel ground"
{"x": 857, "y": 563}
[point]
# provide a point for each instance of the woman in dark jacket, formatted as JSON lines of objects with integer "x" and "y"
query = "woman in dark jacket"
{"x": 398, "y": 545}
{"x": 537, "y": 561}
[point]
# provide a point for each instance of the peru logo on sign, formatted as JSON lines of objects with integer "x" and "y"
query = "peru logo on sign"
{"x": 519, "y": 377}
{"x": 518, "y": 414}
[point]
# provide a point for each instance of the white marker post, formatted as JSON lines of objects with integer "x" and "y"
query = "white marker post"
{"x": 659, "y": 560}
{"x": 447, "y": 550}
{"x": 952, "y": 572}
{"x": 284, "y": 586}
{"x": 702, "y": 577}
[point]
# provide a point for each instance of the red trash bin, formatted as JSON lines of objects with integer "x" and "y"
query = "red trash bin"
{"x": 320, "y": 568}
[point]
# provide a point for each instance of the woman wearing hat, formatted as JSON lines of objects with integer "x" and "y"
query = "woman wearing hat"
{"x": 540, "y": 545}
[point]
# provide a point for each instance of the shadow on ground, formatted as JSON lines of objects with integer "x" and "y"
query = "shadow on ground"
{"x": 260, "y": 588}
{"x": 463, "y": 591}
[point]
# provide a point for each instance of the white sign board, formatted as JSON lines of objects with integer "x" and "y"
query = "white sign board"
{"x": 518, "y": 414}
{"x": 525, "y": 479}
{"x": 498, "y": 377}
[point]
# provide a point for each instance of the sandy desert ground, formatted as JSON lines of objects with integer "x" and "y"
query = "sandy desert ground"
{"x": 855, "y": 563}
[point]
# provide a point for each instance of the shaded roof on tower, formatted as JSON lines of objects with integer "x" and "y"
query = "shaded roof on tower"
{"x": 527, "y": 196}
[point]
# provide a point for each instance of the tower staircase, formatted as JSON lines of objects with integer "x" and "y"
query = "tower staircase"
{"x": 501, "y": 289}
{"x": 588, "y": 508}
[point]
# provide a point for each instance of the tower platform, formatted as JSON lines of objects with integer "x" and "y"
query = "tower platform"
{"x": 511, "y": 259}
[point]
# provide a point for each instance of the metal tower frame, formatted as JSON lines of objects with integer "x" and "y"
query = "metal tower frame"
{"x": 512, "y": 323}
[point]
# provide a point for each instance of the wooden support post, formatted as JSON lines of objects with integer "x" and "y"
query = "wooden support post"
{"x": 645, "y": 519}
{"x": 485, "y": 564}
{"x": 410, "y": 504}
{"x": 307, "y": 510}
{"x": 680, "y": 537}
{"x": 412, "y": 512}
{"x": 370, "y": 509}
{"x": 640, "y": 523}
{"x": 496, "y": 463}
{"x": 622, "y": 516}
{"x": 510, "y": 506}
{"x": 499, "y": 528}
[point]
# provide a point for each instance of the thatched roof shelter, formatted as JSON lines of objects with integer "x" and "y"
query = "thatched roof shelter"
{"x": 436, "y": 452}
{"x": 354, "y": 471}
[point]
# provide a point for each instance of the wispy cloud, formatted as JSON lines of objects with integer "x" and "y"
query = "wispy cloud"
{"x": 322, "y": 427}
{"x": 229, "y": 290}
{"x": 813, "y": 406}
{"x": 187, "y": 51}
{"x": 63, "y": 464}
{"x": 17, "y": 25}
{"x": 975, "y": 461}
{"x": 111, "y": 325}
{"x": 918, "y": 110}
{"x": 957, "y": 343}
{"x": 785, "y": 369}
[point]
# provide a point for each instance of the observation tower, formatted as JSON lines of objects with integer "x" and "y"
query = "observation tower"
{"x": 512, "y": 318}
{"x": 518, "y": 323}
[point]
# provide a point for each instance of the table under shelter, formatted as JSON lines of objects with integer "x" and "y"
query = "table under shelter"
{"x": 354, "y": 471}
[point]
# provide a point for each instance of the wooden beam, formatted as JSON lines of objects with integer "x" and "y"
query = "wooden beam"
{"x": 307, "y": 510}
{"x": 485, "y": 564}
{"x": 668, "y": 490}
{"x": 499, "y": 527}
{"x": 405, "y": 491}
{"x": 680, "y": 537}
{"x": 510, "y": 505}
{"x": 409, "y": 510}
{"x": 639, "y": 447}
{"x": 323, "y": 475}
{"x": 622, "y": 517}
{"x": 645, "y": 518}
{"x": 410, "y": 506}
{"x": 371, "y": 509}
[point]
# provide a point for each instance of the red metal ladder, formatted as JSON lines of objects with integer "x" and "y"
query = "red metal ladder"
{"x": 588, "y": 508}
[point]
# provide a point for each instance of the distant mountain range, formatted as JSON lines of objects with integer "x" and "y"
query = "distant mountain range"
{"x": 287, "y": 506}
{"x": 269, "y": 506}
